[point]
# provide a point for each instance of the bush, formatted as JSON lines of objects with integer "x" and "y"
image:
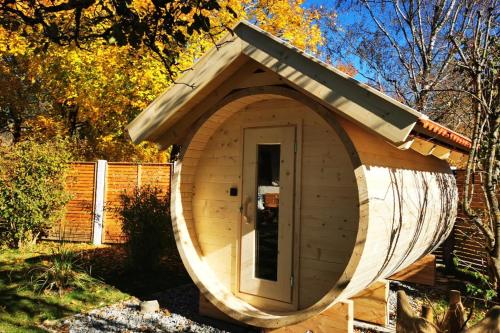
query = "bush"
{"x": 147, "y": 226}
{"x": 32, "y": 190}
{"x": 60, "y": 272}
{"x": 476, "y": 283}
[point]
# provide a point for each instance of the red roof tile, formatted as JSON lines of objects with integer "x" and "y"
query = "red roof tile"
{"x": 441, "y": 131}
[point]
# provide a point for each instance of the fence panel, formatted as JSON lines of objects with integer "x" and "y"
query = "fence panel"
{"x": 466, "y": 242}
{"x": 469, "y": 242}
{"x": 78, "y": 221}
{"x": 123, "y": 178}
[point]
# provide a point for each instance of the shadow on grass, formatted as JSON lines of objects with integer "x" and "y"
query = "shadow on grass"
{"x": 110, "y": 265}
{"x": 22, "y": 311}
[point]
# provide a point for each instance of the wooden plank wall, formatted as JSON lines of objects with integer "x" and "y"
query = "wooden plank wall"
{"x": 77, "y": 223}
{"x": 123, "y": 178}
{"x": 326, "y": 233}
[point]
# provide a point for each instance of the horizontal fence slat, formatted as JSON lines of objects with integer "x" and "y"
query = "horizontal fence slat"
{"x": 77, "y": 223}
{"x": 124, "y": 178}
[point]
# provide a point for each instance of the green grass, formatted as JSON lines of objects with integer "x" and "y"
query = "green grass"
{"x": 23, "y": 310}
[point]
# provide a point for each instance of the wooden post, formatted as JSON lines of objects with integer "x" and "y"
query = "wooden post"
{"x": 100, "y": 188}
{"x": 454, "y": 317}
{"x": 139, "y": 175}
{"x": 370, "y": 305}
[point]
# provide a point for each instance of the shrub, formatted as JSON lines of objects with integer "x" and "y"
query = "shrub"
{"x": 60, "y": 272}
{"x": 32, "y": 190}
{"x": 147, "y": 226}
{"x": 476, "y": 283}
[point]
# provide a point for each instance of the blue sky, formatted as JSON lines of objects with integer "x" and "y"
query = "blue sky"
{"x": 343, "y": 18}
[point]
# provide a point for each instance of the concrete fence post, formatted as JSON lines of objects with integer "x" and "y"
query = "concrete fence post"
{"x": 100, "y": 188}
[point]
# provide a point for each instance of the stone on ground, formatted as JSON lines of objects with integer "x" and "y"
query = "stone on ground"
{"x": 150, "y": 306}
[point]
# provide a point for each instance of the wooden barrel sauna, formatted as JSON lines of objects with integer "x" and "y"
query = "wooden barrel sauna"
{"x": 297, "y": 186}
{"x": 362, "y": 208}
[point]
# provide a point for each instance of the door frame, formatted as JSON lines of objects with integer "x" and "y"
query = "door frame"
{"x": 260, "y": 301}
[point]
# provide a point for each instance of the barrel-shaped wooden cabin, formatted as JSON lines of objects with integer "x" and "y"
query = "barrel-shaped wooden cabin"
{"x": 296, "y": 186}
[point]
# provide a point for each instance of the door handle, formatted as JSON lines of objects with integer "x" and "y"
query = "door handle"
{"x": 246, "y": 219}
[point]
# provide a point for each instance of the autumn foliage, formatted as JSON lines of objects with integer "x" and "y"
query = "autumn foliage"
{"x": 33, "y": 194}
{"x": 89, "y": 89}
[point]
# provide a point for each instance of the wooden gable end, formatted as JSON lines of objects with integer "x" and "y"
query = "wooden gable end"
{"x": 184, "y": 101}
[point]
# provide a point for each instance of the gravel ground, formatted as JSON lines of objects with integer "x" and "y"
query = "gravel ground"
{"x": 125, "y": 317}
{"x": 178, "y": 314}
{"x": 179, "y": 307}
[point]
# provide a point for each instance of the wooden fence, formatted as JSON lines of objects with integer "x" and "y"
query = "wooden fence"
{"x": 466, "y": 242}
{"x": 91, "y": 215}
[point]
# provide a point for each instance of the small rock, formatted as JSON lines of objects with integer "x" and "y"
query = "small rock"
{"x": 150, "y": 306}
{"x": 49, "y": 322}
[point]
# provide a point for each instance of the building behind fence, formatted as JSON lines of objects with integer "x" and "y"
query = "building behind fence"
{"x": 91, "y": 215}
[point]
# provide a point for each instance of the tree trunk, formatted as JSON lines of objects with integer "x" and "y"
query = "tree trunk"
{"x": 491, "y": 193}
{"x": 72, "y": 118}
{"x": 491, "y": 231}
{"x": 16, "y": 131}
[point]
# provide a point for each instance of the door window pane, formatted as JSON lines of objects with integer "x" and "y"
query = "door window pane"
{"x": 266, "y": 228}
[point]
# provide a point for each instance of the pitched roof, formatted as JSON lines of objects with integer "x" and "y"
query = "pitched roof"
{"x": 339, "y": 92}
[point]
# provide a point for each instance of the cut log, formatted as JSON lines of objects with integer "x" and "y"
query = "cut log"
{"x": 454, "y": 318}
{"x": 407, "y": 321}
